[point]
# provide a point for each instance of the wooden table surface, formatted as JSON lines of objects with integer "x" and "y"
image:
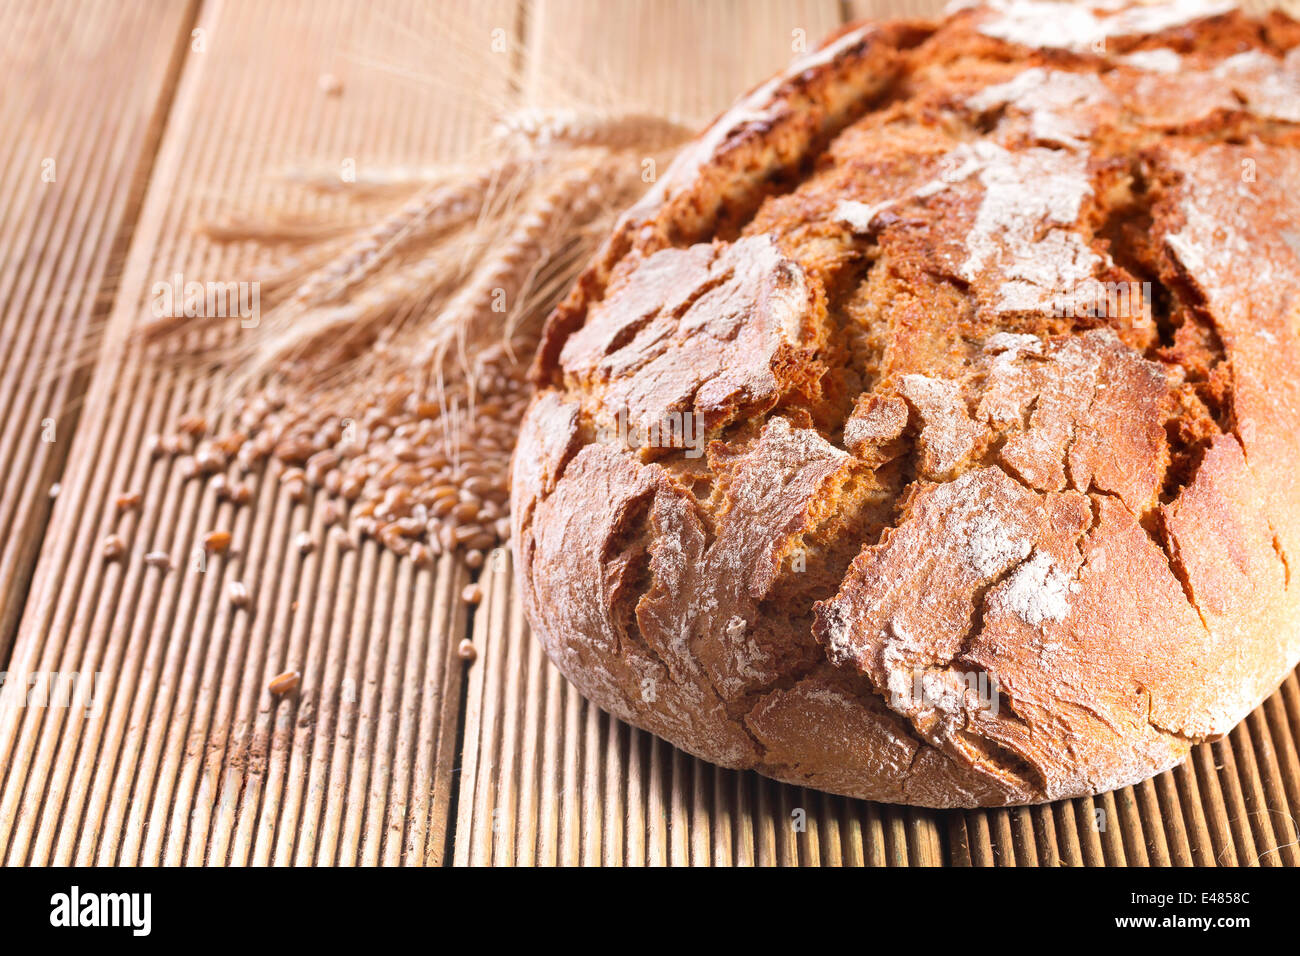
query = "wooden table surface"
{"x": 126, "y": 123}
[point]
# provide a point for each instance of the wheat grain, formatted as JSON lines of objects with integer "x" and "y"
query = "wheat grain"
{"x": 238, "y": 592}
{"x": 113, "y": 547}
{"x": 216, "y": 542}
{"x": 281, "y": 685}
{"x": 159, "y": 559}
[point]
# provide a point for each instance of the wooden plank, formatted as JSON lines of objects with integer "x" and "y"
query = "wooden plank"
{"x": 86, "y": 90}
{"x": 191, "y": 760}
{"x": 687, "y": 58}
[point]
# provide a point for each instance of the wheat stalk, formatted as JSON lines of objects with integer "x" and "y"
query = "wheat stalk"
{"x": 364, "y": 184}
{"x": 497, "y": 290}
{"x": 465, "y": 267}
{"x": 270, "y": 227}
{"x": 379, "y": 311}
{"x": 359, "y": 320}
{"x": 434, "y": 209}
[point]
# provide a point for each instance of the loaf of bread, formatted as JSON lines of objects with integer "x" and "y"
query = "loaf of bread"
{"x": 930, "y": 432}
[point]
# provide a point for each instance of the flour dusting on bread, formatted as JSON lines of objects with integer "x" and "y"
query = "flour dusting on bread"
{"x": 1038, "y": 591}
{"x": 991, "y": 327}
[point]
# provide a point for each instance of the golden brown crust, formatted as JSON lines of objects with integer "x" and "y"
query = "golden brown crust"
{"x": 980, "y": 338}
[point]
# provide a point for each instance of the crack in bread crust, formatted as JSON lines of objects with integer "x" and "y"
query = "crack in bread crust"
{"x": 986, "y": 393}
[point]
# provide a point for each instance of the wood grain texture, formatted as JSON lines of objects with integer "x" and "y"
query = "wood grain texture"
{"x": 86, "y": 91}
{"x": 395, "y": 751}
{"x": 688, "y": 58}
{"x": 187, "y": 758}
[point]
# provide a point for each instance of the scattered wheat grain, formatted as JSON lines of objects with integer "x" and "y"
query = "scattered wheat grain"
{"x": 113, "y": 547}
{"x": 159, "y": 559}
{"x": 284, "y": 684}
{"x": 216, "y": 542}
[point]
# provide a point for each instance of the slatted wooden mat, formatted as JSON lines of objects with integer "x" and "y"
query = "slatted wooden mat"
{"x": 395, "y": 750}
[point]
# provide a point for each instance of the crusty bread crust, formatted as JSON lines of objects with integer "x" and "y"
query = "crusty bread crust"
{"x": 993, "y": 327}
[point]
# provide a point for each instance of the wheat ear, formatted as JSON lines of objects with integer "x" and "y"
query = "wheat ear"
{"x": 535, "y": 128}
{"x": 269, "y": 227}
{"x": 431, "y": 211}
{"x": 573, "y": 196}
{"x": 365, "y": 184}
{"x": 341, "y": 326}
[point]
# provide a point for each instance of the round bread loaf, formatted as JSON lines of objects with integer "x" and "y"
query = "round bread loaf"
{"x": 928, "y": 433}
